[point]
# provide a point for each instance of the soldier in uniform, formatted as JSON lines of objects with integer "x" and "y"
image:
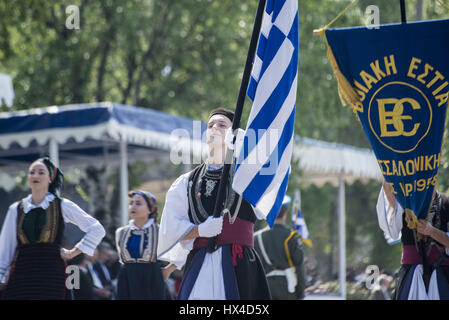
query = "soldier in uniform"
{"x": 282, "y": 256}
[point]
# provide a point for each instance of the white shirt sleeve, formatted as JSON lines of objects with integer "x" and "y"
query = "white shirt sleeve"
{"x": 117, "y": 244}
{"x": 8, "y": 241}
{"x": 390, "y": 220}
{"x": 94, "y": 230}
{"x": 175, "y": 224}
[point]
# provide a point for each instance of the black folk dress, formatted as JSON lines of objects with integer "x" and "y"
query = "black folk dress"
{"x": 414, "y": 249}
{"x": 38, "y": 271}
{"x": 140, "y": 276}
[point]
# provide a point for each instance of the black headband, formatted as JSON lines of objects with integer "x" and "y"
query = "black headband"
{"x": 225, "y": 112}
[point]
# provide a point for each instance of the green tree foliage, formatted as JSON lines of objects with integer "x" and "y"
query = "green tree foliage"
{"x": 182, "y": 56}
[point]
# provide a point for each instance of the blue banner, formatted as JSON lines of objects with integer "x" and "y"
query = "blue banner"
{"x": 395, "y": 78}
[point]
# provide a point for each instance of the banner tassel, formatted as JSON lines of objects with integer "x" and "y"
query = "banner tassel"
{"x": 411, "y": 219}
{"x": 346, "y": 92}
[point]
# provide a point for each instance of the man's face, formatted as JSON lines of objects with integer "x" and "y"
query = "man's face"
{"x": 103, "y": 255}
{"x": 216, "y": 129}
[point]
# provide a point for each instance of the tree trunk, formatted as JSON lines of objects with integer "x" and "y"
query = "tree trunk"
{"x": 419, "y": 10}
{"x": 109, "y": 38}
{"x": 96, "y": 185}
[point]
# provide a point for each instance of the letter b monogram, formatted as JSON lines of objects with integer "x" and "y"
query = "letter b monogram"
{"x": 396, "y": 117}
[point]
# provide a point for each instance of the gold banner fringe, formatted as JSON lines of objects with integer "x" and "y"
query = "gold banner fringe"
{"x": 348, "y": 95}
{"x": 413, "y": 223}
{"x": 346, "y": 92}
{"x": 411, "y": 219}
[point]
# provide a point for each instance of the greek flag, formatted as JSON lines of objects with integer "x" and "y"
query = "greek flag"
{"x": 263, "y": 164}
{"x": 299, "y": 224}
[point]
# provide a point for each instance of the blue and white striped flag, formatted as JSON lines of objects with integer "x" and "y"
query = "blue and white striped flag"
{"x": 263, "y": 165}
{"x": 299, "y": 224}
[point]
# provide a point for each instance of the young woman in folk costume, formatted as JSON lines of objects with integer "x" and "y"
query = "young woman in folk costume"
{"x": 32, "y": 234}
{"x": 233, "y": 270}
{"x": 140, "y": 276}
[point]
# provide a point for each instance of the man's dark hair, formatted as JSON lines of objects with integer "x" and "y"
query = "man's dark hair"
{"x": 104, "y": 247}
{"x": 282, "y": 212}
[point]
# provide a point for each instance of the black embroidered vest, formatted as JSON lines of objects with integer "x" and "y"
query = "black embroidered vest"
{"x": 202, "y": 191}
{"x": 39, "y": 225}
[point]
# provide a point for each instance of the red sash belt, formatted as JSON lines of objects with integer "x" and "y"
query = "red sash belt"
{"x": 240, "y": 232}
{"x": 410, "y": 255}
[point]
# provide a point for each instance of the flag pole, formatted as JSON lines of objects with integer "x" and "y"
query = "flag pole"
{"x": 237, "y": 116}
{"x": 403, "y": 14}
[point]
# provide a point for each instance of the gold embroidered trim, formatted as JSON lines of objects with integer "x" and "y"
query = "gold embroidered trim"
{"x": 48, "y": 234}
{"x": 20, "y": 217}
{"x": 50, "y": 229}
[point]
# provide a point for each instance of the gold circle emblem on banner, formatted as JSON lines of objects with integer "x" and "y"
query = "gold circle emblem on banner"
{"x": 396, "y": 117}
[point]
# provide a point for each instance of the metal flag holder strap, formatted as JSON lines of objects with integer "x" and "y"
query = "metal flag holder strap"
{"x": 219, "y": 202}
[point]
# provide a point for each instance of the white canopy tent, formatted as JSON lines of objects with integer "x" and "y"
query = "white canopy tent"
{"x": 78, "y": 135}
{"x": 6, "y": 89}
{"x": 338, "y": 164}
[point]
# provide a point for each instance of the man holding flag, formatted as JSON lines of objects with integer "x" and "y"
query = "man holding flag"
{"x": 232, "y": 269}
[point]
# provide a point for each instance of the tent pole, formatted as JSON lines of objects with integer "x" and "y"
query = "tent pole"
{"x": 123, "y": 183}
{"x": 341, "y": 236}
{"x": 297, "y": 197}
{"x": 54, "y": 151}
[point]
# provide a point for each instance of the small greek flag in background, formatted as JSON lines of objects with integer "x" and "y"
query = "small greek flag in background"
{"x": 299, "y": 224}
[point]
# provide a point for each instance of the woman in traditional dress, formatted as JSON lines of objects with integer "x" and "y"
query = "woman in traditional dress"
{"x": 32, "y": 233}
{"x": 233, "y": 269}
{"x": 140, "y": 277}
{"x": 424, "y": 272}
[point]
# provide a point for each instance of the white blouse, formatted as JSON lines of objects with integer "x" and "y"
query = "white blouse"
{"x": 70, "y": 212}
{"x": 175, "y": 224}
{"x": 389, "y": 218}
